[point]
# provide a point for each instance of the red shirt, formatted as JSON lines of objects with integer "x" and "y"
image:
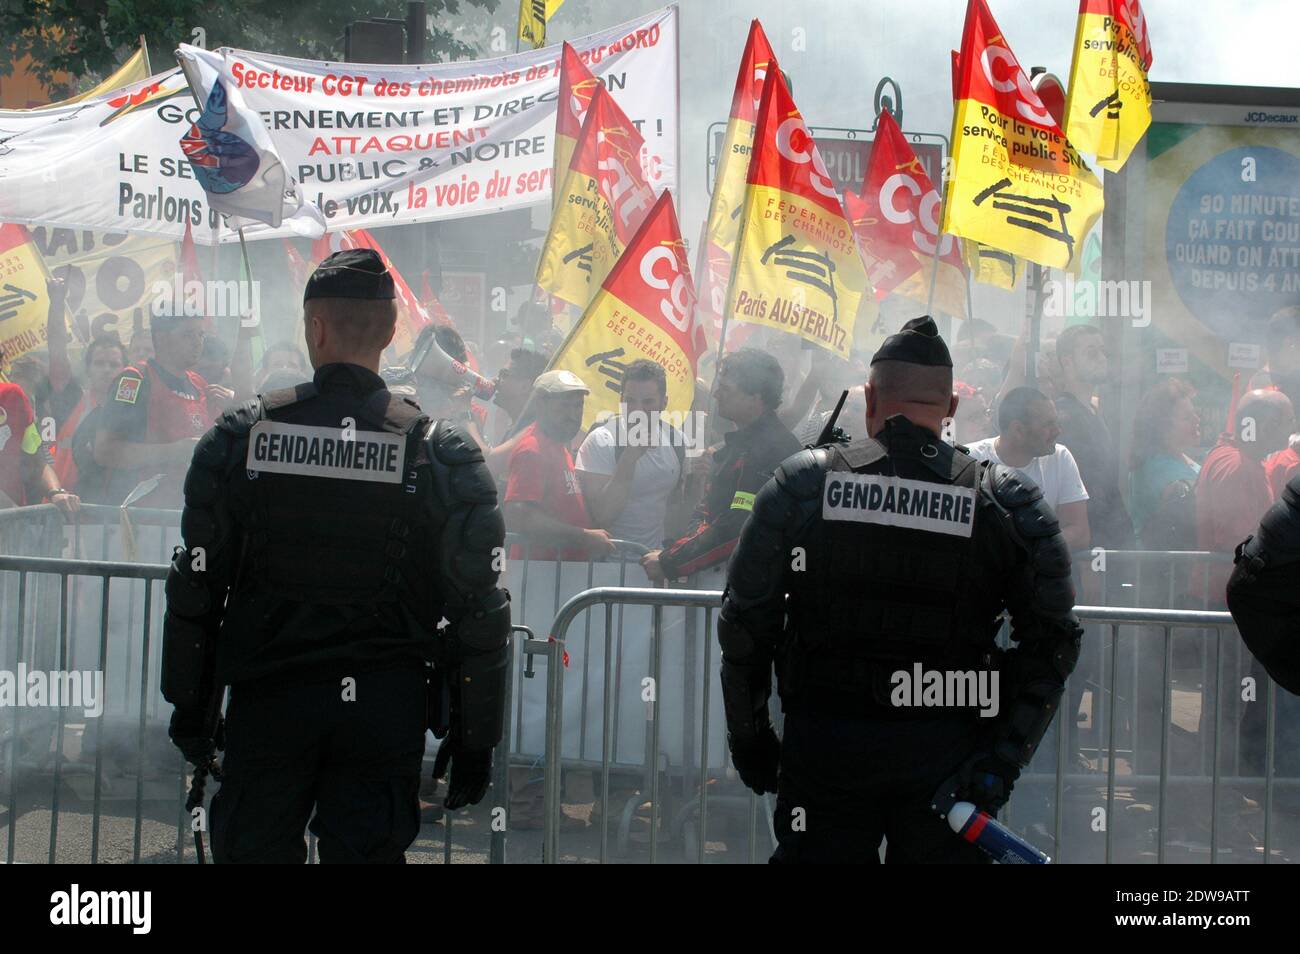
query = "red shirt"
{"x": 1232, "y": 494}
{"x": 541, "y": 472}
{"x": 148, "y": 405}
{"x": 65, "y": 468}
{"x": 16, "y": 422}
{"x": 1280, "y": 468}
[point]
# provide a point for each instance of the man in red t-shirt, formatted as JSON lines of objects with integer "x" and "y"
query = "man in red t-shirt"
{"x": 1232, "y": 494}
{"x": 1232, "y": 491}
{"x": 154, "y": 414}
{"x": 21, "y": 461}
{"x": 543, "y": 499}
{"x": 1280, "y": 468}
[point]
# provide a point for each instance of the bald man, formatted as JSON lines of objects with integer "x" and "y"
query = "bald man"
{"x": 864, "y": 572}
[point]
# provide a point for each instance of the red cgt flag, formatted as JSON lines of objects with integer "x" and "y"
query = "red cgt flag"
{"x": 577, "y": 87}
{"x": 411, "y": 315}
{"x": 896, "y": 222}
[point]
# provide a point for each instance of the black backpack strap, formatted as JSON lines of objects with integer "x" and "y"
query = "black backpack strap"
{"x": 858, "y": 454}
{"x": 283, "y": 397}
{"x": 397, "y": 415}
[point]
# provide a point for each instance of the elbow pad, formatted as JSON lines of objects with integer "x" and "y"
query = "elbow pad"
{"x": 479, "y": 672}
{"x": 187, "y": 650}
{"x": 746, "y": 681}
{"x": 1037, "y": 674}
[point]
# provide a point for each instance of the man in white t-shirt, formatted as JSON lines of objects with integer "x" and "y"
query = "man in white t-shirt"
{"x": 1027, "y": 433}
{"x": 630, "y": 466}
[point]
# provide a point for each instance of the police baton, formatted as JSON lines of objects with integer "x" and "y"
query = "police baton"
{"x": 209, "y": 766}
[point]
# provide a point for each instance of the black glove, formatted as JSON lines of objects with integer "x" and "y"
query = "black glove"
{"x": 189, "y": 734}
{"x": 756, "y": 759}
{"x": 986, "y": 781}
{"x": 471, "y": 773}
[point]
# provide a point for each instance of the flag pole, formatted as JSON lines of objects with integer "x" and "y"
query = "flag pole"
{"x": 938, "y": 243}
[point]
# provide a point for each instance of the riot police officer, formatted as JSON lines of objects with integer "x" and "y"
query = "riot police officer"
{"x": 335, "y": 541}
{"x": 1264, "y": 590}
{"x": 873, "y": 575}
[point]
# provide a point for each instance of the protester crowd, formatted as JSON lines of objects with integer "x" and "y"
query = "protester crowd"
{"x": 129, "y": 412}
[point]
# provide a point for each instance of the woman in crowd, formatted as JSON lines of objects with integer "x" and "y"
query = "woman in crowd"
{"x": 1162, "y": 473}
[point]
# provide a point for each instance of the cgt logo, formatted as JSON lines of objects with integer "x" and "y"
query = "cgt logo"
{"x": 676, "y": 305}
{"x": 795, "y": 143}
{"x": 1028, "y": 105}
{"x": 95, "y": 908}
{"x": 923, "y": 209}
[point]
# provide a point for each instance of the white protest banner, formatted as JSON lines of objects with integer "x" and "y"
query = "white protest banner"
{"x": 112, "y": 164}
{"x": 371, "y": 145}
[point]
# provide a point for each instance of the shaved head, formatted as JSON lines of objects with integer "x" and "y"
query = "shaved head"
{"x": 353, "y": 330}
{"x": 921, "y": 393}
{"x": 897, "y": 382}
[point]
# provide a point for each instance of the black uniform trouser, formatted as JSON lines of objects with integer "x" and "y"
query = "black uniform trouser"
{"x": 858, "y": 780}
{"x": 297, "y": 748}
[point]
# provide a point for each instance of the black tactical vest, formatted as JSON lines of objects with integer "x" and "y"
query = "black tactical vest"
{"x": 337, "y": 541}
{"x": 878, "y": 596}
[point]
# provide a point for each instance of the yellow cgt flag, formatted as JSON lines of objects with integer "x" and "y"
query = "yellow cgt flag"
{"x": 24, "y": 304}
{"x": 1109, "y": 106}
{"x": 645, "y": 309}
{"x": 991, "y": 266}
{"x": 723, "y": 228}
{"x": 133, "y": 70}
{"x": 533, "y": 15}
{"x": 602, "y": 203}
{"x": 577, "y": 87}
{"x": 1017, "y": 184}
{"x": 797, "y": 268}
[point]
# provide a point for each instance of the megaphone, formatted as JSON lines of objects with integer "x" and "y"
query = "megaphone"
{"x": 427, "y": 349}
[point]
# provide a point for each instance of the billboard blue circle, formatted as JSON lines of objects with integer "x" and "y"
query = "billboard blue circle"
{"x": 1232, "y": 244}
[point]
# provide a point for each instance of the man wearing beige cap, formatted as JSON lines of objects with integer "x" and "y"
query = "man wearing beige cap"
{"x": 543, "y": 498}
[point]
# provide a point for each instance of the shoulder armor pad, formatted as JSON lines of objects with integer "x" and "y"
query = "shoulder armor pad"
{"x": 1022, "y": 500}
{"x": 215, "y": 448}
{"x": 238, "y": 421}
{"x": 801, "y": 474}
{"x": 458, "y": 465}
{"x": 1010, "y": 488}
{"x": 1291, "y": 492}
{"x": 449, "y": 445}
{"x": 1279, "y": 531}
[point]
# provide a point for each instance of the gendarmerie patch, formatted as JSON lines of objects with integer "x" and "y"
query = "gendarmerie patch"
{"x": 899, "y": 502}
{"x": 325, "y": 452}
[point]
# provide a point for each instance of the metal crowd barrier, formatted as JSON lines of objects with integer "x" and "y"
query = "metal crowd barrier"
{"x": 154, "y": 776}
{"x": 1112, "y": 808}
{"x": 106, "y": 614}
{"x": 651, "y": 761}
